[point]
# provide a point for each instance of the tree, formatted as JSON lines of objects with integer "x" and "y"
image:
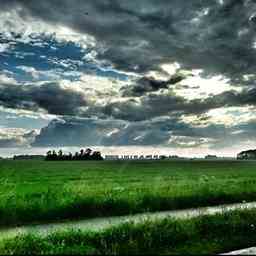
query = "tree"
{"x": 88, "y": 151}
{"x": 60, "y": 155}
{"x": 81, "y": 154}
{"x": 48, "y": 155}
{"x": 76, "y": 157}
{"x": 54, "y": 155}
{"x": 87, "y": 154}
{"x": 97, "y": 156}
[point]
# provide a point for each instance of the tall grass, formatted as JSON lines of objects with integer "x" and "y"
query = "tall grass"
{"x": 201, "y": 235}
{"x": 35, "y": 191}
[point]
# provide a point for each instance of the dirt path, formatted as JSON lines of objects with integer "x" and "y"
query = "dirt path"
{"x": 102, "y": 223}
{"x": 248, "y": 251}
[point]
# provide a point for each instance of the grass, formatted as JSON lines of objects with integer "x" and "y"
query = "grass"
{"x": 201, "y": 235}
{"x": 39, "y": 191}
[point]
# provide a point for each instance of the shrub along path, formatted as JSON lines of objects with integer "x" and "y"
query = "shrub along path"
{"x": 98, "y": 224}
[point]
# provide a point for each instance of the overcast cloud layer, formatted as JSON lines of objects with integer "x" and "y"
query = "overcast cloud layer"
{"x": 178, "y": 74}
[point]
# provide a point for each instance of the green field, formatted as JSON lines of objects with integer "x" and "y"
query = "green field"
{"x": 39, "y": 191}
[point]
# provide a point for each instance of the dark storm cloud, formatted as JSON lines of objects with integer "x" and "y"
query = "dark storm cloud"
{"x": 51, "y": 97}
{"x": 59, "y": 100}
{"x": 247, "y": 97}
{"x": 237, "y": 134}
{"x": 145, "y": 108}
{"x": 80, "y": 132}
{"x": 76, "y": 132}
{"x": 10, "y": 143}
{"x": 149, "y": 84}
{"x": 168, "y": 104}
{"x": 140, "y": 35}
{"x": 163, "y": 131}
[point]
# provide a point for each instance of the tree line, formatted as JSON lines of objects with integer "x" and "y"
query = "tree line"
{"x": 87, "y": 154}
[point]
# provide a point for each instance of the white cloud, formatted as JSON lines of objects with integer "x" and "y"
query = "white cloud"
{"x": 28, "y": 113}
{"x": 16, "y": 137}
{"x": 4, "y": 79}
{"x": 195, "y": 87}
{"x": 189, "y": 141}
{"x": 171, "y": 69}
{"x": 231, "y": 115}
{"x": 4, "y": 47}
{"x": 228, "y": 116}
{"x": 11, "y": 22}
{"x": 30, "y": 70}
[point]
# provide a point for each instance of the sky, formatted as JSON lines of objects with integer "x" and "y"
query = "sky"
{"x": 169, "y": 76}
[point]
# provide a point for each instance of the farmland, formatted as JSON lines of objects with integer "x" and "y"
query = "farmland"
{"x": 39, "y": 191}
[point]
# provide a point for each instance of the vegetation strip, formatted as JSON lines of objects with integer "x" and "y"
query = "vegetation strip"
{"x": 98, "y": 224}
{"x": 208, "y": 234}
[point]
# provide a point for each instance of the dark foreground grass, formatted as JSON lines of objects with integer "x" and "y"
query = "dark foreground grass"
{"x": 38, "y": 191}
{"x": 206, "y": 234}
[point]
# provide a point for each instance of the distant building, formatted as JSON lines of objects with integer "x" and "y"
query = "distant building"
{"x": 247, "y": 155}
{"x": 209, "y": 157}
{"x": 139, "y": 157}
{"x": 111, "y": 157}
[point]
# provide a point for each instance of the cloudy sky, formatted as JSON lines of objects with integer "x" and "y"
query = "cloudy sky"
{"x": 172, "y": 75}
